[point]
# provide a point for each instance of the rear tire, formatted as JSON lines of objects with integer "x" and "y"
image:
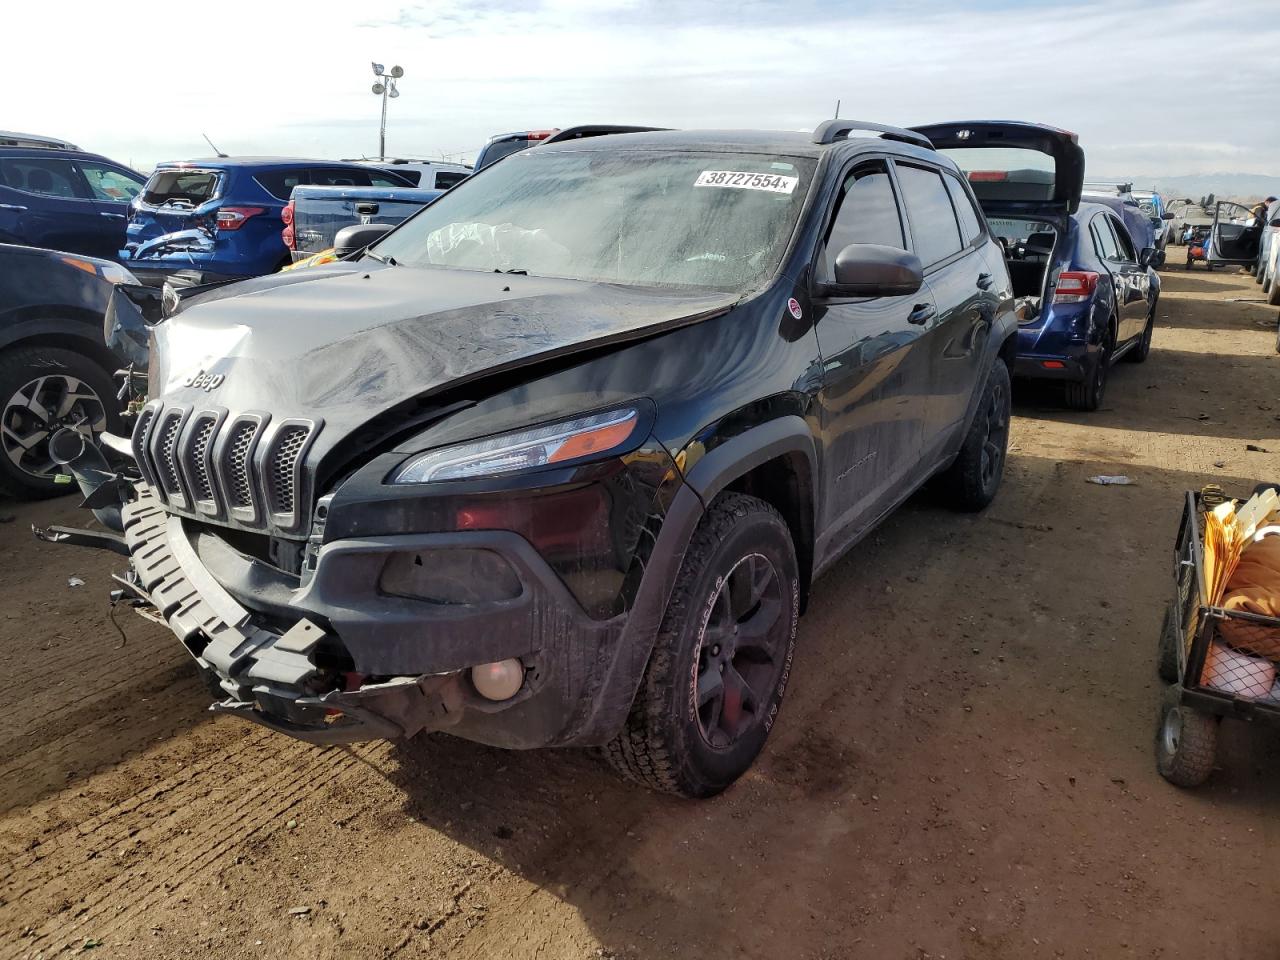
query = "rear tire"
{"x": 1186, "y": 742}
{"x": 1273, "y": 295}
{"x": 971, "y": 482}
{"x": 1088, "y": 393}
{"x": 41, "y": 389}
{"x": 722, "y": 659}
{"x": 1142, "y": 350}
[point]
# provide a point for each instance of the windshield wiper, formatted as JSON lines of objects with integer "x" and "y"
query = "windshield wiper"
{"x": 521, "y": 272}
{"x": 381, "y": 259}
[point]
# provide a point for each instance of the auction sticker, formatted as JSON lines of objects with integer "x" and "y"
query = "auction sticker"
{"x": 793, "y": 306}
{"x": 771, "y": 182}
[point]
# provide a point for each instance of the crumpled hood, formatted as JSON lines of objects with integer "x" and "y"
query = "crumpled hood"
{"x": 345, "y": 342}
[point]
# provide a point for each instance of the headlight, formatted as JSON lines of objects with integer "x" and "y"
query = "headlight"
{"x": 523, "y": 450}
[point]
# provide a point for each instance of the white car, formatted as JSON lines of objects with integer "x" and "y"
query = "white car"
{"x": 429, "y": 174}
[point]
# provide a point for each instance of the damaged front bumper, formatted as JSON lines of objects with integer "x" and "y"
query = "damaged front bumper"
{"x": 266, "y": 676}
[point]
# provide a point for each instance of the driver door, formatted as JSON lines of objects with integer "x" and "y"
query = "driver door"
{"x": 1234, "y": 238}
{"x": 875, "y": 368}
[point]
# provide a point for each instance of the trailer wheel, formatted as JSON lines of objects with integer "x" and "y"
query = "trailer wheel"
{"x": 1167, "y": 659}
{"x": 1186, "y": 742}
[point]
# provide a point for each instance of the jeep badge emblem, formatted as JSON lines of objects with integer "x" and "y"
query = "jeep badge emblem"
{"x": 204, "y": 381}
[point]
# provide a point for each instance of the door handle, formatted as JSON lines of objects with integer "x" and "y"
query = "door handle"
{"x": 112, "y": 216}
{"x": 12, "y": 206}
{"x": 922, "y": 313}
{"x": 366, "y": 209}
{"x": 984, "y": 281}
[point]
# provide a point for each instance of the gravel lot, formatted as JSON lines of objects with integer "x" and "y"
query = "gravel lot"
{"x": 963, "y": 767}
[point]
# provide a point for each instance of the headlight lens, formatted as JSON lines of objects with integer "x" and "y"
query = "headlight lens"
{"x": 523, "y": 450}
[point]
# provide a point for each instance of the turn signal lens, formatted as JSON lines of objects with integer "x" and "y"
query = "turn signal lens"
{"x": 557, "y": 443}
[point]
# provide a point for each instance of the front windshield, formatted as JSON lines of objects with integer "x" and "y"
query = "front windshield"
{"x": 718, "y": 221}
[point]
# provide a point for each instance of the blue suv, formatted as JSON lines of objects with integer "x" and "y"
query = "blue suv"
{"x": 57, "y": 196}
{"x": 221, "y": 217}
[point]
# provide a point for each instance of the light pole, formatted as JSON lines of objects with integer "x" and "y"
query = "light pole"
{"x": 385, "y": 87}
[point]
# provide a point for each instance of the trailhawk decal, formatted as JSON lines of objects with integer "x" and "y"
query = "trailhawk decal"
{"x": 770, "y": 182}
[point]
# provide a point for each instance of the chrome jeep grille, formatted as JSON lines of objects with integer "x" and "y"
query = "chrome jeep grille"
{"x": 280, "y": 485}
{"x": 240, "y": 490}
{"x": 241, "y": 469}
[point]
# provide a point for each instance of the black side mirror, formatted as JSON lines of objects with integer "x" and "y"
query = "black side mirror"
{"x": 355, "y": 238}
{"x": 1167, "y": 215}
{"x": 873, "y": 270}
{"x": 1147, "y": 256}
{"x": 1275, "y": 222}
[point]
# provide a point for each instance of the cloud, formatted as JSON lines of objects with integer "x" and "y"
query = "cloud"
{"x": 1139, "y": 89}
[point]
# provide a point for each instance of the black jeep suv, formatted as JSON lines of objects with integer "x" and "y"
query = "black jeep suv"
{"x": 558, "y": 459}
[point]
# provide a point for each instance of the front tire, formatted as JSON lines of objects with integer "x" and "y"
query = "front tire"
{"x": 720, "y": 665}
{"x": 42, "y": 389}
{"x": 1186, "y": 742}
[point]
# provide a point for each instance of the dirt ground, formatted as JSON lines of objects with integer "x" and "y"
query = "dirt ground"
{"x": 963, "y": 767}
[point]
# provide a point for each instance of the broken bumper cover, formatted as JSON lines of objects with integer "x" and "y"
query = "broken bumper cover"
{"x": 266, "y": 676}
{"x": 411, "y": 659}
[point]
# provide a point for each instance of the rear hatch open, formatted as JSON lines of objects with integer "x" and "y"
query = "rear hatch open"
{"x": 1015, "y": 168}
{"x": 175, "y": 199}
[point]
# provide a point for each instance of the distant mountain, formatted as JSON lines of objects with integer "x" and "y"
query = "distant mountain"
{"x": 1195, "y": 186}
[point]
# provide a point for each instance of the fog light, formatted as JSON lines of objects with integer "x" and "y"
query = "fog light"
{"x": 498, "y": 681}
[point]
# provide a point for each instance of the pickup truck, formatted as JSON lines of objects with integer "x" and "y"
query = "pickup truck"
{"x": 314, "y": 215}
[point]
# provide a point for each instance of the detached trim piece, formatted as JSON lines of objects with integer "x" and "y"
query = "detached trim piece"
{"x": 196, "y": 607}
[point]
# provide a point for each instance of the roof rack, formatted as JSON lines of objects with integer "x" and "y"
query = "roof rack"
{"x": 833, "y": 130}
{"x": 595, "y": 130}
{"x": 9, "y": 138}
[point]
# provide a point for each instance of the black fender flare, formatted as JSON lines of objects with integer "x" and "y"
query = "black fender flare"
{"x": 739, "y": 455}
{"x": 1003, "y": 330}
{"x": 712, "y": 473}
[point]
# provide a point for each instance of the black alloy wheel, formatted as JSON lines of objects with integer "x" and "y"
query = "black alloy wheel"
{"x": 741, "y": 651}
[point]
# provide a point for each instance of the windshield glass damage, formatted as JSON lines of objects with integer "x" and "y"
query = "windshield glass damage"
{"x": 709, "y": 220}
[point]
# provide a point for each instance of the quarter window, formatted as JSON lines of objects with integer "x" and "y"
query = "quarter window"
{"x": 867, "y": 213}
{"x": 934, "y": 230}
{"x": 970, "y": 222}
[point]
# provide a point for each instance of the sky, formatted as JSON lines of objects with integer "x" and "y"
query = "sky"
{"x": 1176, "y": 87}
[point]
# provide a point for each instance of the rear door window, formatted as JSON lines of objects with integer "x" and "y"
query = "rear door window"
{"x": 448, "y": 178}
{"x": 181, "y": 188}
{"x": 970, "y": 222}
{"x": 109, "y": 183}
{"x": 339, "y": 177}
{"x": 413, "y": 176}
{"x": 46, "y": 177}
{"x": 280, "y": 183}
{"x": 867, "y": 212}
{"x": 935, "y": 233}
{"x": 1104, "y": 241}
